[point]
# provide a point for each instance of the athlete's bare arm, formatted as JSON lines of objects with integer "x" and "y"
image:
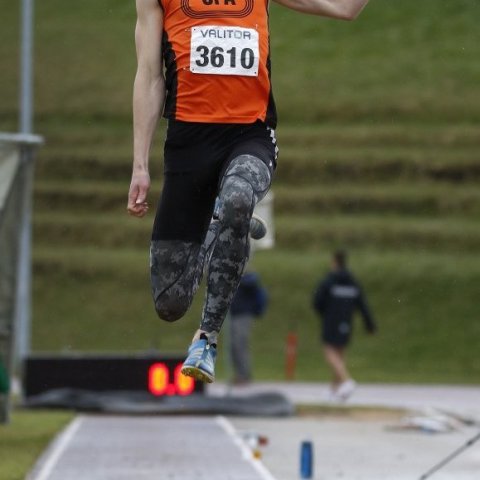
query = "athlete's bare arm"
{"x": 148, "y": 99}
{"x": 341, "y": 9}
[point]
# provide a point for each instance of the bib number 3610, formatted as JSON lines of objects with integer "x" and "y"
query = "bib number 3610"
{"x": 224, "y": 51}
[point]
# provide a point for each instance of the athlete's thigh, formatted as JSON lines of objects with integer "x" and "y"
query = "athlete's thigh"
{"x": 185, "y": 207}
{"x": 253, "y": 159}
{"x": 193, "y": 158}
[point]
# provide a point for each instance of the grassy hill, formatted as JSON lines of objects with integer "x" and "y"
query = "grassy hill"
{"x": 379, "y": 122}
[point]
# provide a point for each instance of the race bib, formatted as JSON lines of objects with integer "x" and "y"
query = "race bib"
{"x": 224, "y": 51}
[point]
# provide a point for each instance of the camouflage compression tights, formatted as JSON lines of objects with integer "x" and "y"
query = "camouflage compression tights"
{"x": 177, "y": 267}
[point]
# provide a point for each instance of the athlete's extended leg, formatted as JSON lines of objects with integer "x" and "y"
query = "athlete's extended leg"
{"x": 246, "y": 181}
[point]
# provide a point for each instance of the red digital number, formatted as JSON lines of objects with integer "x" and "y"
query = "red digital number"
{"x": 159, "y": 381}
{"x": 184, "y": 385}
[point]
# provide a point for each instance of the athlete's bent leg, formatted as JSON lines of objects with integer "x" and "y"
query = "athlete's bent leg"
{"x": 176, "y": 270}
{"x": 182, "y": 237}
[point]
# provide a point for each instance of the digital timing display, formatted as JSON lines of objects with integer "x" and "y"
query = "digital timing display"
{"x": 157, "y": 375}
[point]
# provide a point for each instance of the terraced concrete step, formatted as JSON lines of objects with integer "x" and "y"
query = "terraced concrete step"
{"x": 399, "y": 197}
{"x": 120, "y": 231}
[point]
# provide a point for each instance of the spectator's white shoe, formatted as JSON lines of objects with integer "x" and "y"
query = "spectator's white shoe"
{"x": 345, "y": 390}
{"x": 331, "y": 395}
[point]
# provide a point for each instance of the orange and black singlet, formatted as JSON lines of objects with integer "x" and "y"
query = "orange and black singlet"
{"x": 217, "y": 61}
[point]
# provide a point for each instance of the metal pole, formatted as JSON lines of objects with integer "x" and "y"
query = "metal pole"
{"x": 19, "y": 193}
{"x": 24, "y": 277}
{"x": 446, "y": 460}
{"x": 26, "y": 67}
{"x": 227, "y": 352}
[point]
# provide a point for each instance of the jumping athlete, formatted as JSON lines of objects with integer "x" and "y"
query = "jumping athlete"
{"x": 220, "y": 149}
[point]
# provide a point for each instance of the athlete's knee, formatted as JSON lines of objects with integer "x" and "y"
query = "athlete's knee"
{"x": 237, "y": 202}
{"x": 170, "y": 308}
{"x": 174, "y": 276}
{"x": 252, "y": 170}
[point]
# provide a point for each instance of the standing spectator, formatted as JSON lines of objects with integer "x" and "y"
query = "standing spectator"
{"x": 250, "y": 301}
{"x": 336, "y": 299}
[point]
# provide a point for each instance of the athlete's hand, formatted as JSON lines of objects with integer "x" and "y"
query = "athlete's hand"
{"x": 137, "y": 196}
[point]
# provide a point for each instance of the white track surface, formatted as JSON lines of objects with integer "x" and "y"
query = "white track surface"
{"x": 464, "y": 400}
{"x": 149, "y": 448}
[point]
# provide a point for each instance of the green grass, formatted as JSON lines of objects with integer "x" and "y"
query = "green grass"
{"x": 400, "y": 61}
{"x": 22, "y": 441}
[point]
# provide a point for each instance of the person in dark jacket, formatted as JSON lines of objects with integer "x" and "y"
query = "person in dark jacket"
{"x": 250, "y": 301}
{"x": 336, "y": 299}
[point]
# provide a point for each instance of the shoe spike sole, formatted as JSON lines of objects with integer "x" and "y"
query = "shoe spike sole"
{"x": 197, "y": 374}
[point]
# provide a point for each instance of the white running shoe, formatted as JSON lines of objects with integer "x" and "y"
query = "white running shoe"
{"x": 345, "y": 390}
{"x": 331, "y": 395}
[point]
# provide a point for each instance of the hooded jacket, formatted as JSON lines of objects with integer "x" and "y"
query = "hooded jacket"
{"x": 337, "y": 298}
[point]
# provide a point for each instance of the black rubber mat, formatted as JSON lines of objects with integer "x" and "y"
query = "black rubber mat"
{"x": 262, "y": 404}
